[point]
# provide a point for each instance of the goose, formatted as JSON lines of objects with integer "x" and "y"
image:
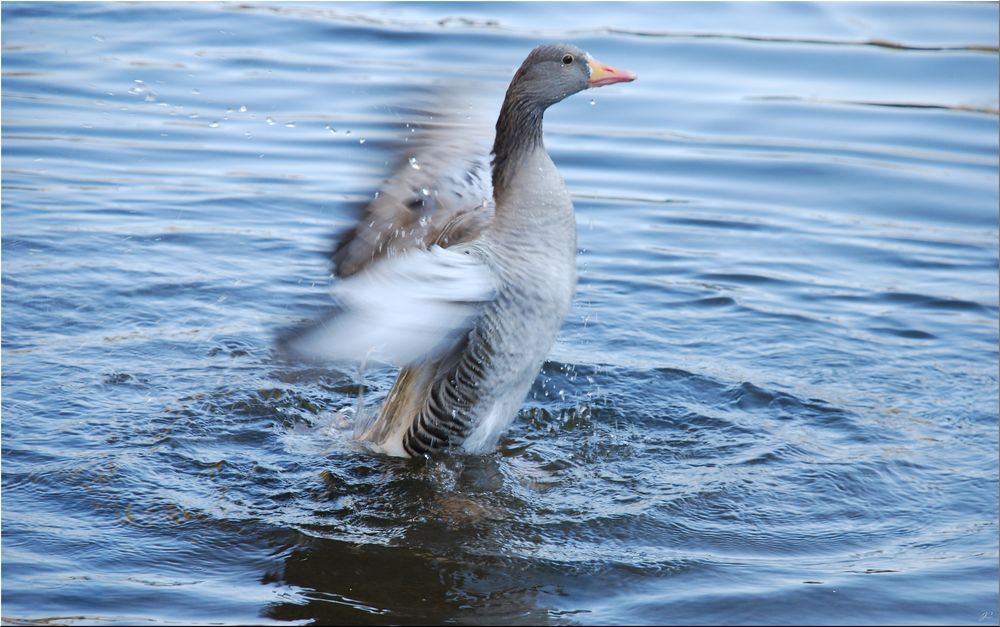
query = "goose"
{"x": 464, "y": 288}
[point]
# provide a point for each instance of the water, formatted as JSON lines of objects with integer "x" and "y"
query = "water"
{"x": 775, "y": 399}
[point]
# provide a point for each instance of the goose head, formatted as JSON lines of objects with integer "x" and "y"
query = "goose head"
{"x": 551, "y": 72}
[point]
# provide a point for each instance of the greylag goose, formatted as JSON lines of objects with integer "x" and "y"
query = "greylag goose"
{"x": 464, "y": 288}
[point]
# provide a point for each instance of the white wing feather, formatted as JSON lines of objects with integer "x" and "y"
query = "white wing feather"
{"x": 400, "y": 310}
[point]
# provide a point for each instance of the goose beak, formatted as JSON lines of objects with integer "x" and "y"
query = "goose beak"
{"x": 601, "y": 74}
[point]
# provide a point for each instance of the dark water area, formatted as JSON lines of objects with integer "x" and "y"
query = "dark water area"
{"x": 774, "y": 401}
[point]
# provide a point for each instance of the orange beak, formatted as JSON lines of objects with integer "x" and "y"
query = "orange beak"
{"x": 601, "y": 74}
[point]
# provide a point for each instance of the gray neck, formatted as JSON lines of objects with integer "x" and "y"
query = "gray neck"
{"x": 518, "y": 134}
{"x": 532, "y": 204}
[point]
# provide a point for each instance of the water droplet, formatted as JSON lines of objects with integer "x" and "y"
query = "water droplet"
{"x": 425, "y": 191}
{"x": 347, "y": 132}
{"x": 290, "y": 124}
{"x": 229, "y": 110}
{"x": 97, "y": 38}
{"x": 361, "y": 141}
{"x": 270, "y": 121}
{"x": 332, "y": 130}
{"x": 414, "y": 164}
{"x": 592, "y": 102}
{"x": 214, "y": 124}
{"x": 243, "y": 108}
{"x": 196, "y": 91}
{"x": 193, "y": 116}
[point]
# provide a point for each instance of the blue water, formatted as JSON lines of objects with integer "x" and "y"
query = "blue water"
{"x": 775, "y": 399}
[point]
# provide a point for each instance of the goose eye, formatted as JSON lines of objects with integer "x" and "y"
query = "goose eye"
{"x": 567, "y": 59}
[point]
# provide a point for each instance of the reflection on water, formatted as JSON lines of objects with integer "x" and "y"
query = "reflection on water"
{"x": 775, "y": 399}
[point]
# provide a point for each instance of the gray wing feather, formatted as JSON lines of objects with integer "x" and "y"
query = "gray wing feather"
{"x": 440, "y": 193}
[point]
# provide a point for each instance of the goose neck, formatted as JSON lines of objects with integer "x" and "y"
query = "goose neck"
{"x": 518, "y": 135}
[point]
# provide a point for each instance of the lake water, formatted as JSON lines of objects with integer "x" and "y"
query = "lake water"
{"x": 774, "y": 401}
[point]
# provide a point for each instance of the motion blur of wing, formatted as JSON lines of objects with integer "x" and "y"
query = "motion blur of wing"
{"x": 408, "y": 289}
{"x": 400, "y": 310}
{"x": 440, "y": 192}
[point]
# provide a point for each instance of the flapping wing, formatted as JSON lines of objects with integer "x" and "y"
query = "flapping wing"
{"x": 402, "y": 310}
{"x": 442, "y": 182}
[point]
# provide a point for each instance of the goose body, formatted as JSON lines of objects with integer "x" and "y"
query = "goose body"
{"x": 469, "y": 297}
